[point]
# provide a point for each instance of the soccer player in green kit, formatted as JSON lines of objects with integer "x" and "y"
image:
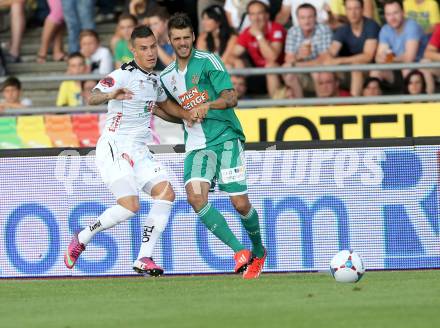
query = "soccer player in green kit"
{"x": 198, "y": 80}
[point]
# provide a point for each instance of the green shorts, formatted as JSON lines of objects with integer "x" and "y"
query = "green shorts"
{"x": 223, "y": 162}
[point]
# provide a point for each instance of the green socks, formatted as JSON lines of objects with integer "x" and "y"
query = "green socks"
{"x": 216, "y": 223}
{"x": 252, "y": 226}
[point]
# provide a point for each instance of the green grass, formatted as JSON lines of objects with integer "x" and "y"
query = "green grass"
{"x": 381, "y": 299}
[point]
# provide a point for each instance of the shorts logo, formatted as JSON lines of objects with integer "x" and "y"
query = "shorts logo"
{"x": 193, "y": 97}
{"x": 128, "y": 159}
{"x": 107, "y": 82}
{"x": 234, "y": 174}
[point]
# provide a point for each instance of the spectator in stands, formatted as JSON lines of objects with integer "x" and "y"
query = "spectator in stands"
{"x": 240, "y": 86}
{"x": 424, "y": 12}
{"x": 202, "y": 5}
{"x": 86, "y": 90}
{"x": 414, "y": 83}
{"x": 263, "y": 41}
{"x": 158, "y": 22}
{"x": 126, "y": 24}
{"x": 338, "y": 14}
{"x": 289, "y": 10}
{"x": 69, "y": 93}
{"x": 217, "y": 35}
{"x": 327, "y": 86}
{"x": 237, "y": 14}
{"x": 52, "y": 32}
{"x": 432, "y": 53}
{"x": 11, "y": 90}
{"x": 78, "y": 15}
{"x": 372, "y": 87}
{"x": 400, "y": 40}
{"x": 306, "y": 45}
{"x": 98, "y": 59}
{"x": 354, "y": 43}
{"x": 18, "y": 25}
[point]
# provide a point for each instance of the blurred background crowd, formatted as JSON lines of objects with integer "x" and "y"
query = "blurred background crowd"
{"x": 244, "y": 33}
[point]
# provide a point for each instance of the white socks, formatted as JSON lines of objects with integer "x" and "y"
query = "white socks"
{"x": 111, "y": 217}
{"x": 153, "y": 226}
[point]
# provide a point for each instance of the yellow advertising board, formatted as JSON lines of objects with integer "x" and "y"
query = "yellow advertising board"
{"x": 341, "y": 122}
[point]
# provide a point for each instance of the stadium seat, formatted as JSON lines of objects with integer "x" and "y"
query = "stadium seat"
{"x": 8, "y": 134}
{"x": 8, "y": 125}
{"x": 86, "y": 128}
{"x": 59, "y": 129}
{"x": 32, "y": 131}
{"x": 10, "y": 141}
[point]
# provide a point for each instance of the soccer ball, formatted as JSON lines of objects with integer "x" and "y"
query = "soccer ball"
{"x": 347, "y": 266}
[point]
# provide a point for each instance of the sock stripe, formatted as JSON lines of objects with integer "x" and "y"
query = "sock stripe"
{"x": 204, "y": 210}
{"x": 247, "y": 216}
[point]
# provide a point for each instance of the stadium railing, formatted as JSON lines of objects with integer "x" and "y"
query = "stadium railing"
{"x": 255, "y": 103}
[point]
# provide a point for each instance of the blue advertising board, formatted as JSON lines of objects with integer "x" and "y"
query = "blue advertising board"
{"x": 380, "y": 201}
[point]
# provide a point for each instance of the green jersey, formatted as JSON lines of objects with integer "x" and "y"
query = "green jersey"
{"x": 203, "y": 79}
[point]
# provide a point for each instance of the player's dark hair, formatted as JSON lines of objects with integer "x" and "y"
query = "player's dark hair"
{"x": 141, "y": 31}
{"x": 126, "y": 16}
{"x": 11, "y": 81}
{"x": 158, "y": 11}
{"x": 217, "y": 13}
{"x": 253, "y": 2}
{"x": 306, "y": 6}
{"x": 389, "y": 2}
{"x": 180, "y": 21}
{"x": 361, "y": 2}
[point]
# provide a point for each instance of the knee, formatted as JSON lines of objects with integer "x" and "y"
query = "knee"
{"x": 197, "y": 201}
{"x": 130, "y": 204}
{"x": 170, "y": 195}
{"x": 162, "y": 191}
{"x": 243, "y": 206}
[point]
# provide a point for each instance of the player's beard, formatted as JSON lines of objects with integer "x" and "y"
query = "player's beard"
{"x": 186, "y": 52}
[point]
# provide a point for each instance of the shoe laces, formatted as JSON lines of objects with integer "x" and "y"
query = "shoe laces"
{"x": 77, "y": 249}
{"x": 255, "y": 266}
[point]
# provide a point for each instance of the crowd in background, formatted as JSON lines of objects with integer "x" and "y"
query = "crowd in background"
{"x": 245, "y": 33}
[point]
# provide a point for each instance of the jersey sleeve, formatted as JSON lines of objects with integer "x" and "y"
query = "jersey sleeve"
{"x": 217, "y": 74}
{"x": 164, "y": 87}
{"x": 115, "y": 80}
{"x": 161, "y": 94}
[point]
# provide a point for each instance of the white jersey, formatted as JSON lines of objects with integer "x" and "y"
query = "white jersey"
{"x": 129, "y": 120}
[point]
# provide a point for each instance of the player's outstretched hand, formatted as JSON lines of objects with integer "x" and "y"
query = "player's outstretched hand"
{"x": 121, "y": 94}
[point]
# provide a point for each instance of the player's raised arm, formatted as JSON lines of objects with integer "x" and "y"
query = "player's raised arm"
{"x": 98, "y": 97}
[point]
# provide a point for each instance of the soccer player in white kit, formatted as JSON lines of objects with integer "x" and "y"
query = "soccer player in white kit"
{"x": 122, "y": 155}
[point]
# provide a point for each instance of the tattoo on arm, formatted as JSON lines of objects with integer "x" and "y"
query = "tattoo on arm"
{"x": 98, "y": 97}
{"x": 230, "y": 97}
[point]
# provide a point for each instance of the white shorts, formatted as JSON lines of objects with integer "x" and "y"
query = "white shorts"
{"x": 127, "y": 166}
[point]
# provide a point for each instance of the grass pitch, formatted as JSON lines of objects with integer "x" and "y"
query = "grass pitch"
{"x": 381, "y": 299}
